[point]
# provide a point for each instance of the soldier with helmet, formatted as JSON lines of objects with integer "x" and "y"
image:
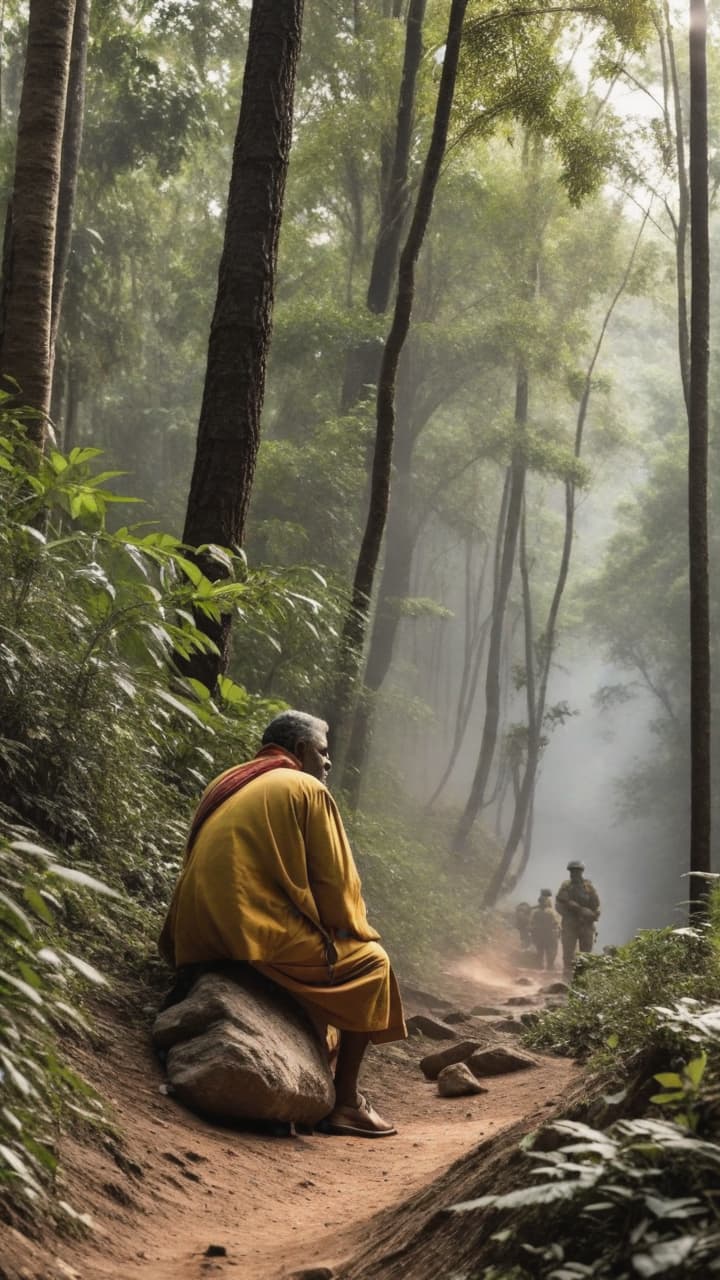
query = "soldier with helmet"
{"x": 578, "y": 906}
{"x": 545, "y": 927}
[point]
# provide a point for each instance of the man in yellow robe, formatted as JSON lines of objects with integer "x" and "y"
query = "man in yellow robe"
{"x": 269, "y": 879}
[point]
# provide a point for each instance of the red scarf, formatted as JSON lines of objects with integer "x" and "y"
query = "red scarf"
{"x": 234, "y": 780}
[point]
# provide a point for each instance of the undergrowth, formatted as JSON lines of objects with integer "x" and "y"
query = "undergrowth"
{"x": 638, "y": 1195}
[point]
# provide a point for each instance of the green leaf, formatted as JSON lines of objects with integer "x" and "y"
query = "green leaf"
{"x": 87, "y": 970}
{"x": 660, "y": 1099}
{"x": 181, "y": 707}
{"x": 669, "y": 1079}
{"x": 37, "y": 903}
{"x": 695, "y": 1069}
{"x": 19, "y": 921}
{"x": 83, "y": 879}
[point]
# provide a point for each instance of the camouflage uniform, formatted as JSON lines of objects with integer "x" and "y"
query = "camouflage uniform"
{"x": 545, "y": 927}
{"x": 523, "y": 912}
{"x": 578, "y": 905}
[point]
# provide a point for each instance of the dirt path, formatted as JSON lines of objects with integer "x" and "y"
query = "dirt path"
{"x": 176, "y": 1185}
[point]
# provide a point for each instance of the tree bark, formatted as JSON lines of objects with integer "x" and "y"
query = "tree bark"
{"x": 70, "y": 159}
{"x": 355, "y": 626}
{"x": 700, "y": 776}
{"x": 362, "y": 361}
{"x": 537, "y": 682}
{"x": 229, "y": 427}
{"x": 488, "y": 742}
{"x": 681, "y": 224}
{"x": 26, "y": 349}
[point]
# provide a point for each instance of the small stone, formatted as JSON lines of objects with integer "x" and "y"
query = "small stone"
{"x": 520, "y": 1000}
{"x": 486, "y": 1011}
{"x": 530, "y": 1019}
{"x": 457, "y": 1081}
{"x": 556, "y": 989}
{"x": 434, "y": 1063}
{"x": 498, "y": 1061}
{"x": 215, "y": 1251}
{"x": 433, "y": 1028}
{"x": 455, "y": 1016}
{"x": 523, "y": 982}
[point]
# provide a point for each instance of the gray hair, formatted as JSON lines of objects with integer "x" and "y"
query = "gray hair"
{"x": 291, "y": 727}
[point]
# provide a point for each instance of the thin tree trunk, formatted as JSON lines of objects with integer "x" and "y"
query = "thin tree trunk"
{"x": 700, "y": 775}
{"x": 488, "y": 742}
{"x": 26, "y": 353}
{"x": 537, "y": 702}
{"x": 363, "y": 361}
{"x": 355, "y": 626}
{"x": 229, "y": 428}
{"x": 683, "y": 219}
{"x": 70, "y": 161}
{"x": 472, "y": 663}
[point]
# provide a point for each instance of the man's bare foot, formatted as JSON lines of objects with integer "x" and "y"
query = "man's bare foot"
{"x": 361, "y": 1121}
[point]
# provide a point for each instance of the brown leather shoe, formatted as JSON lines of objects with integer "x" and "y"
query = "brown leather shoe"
{"x": 362, "y": 1121}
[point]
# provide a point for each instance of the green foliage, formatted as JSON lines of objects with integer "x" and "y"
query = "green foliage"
{"x": 417, "y": 894}
{"x": 611, "y": 1009}
{"x": 103, "y": 752}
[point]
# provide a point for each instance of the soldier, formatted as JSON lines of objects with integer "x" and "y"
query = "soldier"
{"x": 578, "y": 905}
{"x": 523, "y": 912}
{"x": 545, "y": 927}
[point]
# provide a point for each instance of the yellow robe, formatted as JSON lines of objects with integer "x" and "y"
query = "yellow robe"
{"x": 271, "y": 881}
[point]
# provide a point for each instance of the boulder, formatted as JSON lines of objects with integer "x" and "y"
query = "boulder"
{"x": 239, "y": 1048}
{"x": 523, "y": 982}
{"x": 433, "y": 1028}
{"x": 556, "y": 989}
{"x": 510, "y": 1026}
{"x": 434, "y": 1063}
{"x": 531, "y": 1018}
{"x": 498, "y": 1061}
{"x": 457, "y": 1081}
{"x": 454, "y": 1016}
{"x": 486, "y": 1011}
{"x": 520, "y": 1000}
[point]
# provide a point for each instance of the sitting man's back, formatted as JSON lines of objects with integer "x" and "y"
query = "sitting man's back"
{"x": 269, "y": 878}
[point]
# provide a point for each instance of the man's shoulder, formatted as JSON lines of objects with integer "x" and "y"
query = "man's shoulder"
{"x": 565, "y": 885}
{"x": 294, "y": 782}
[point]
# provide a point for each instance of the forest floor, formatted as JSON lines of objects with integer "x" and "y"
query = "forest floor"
{"x": 169, "y": 1185}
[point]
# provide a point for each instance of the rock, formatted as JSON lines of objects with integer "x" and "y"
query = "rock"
{"x": 523, "y": 982}
{"x": 486, "y": 1011}
{"x": 313, "y": 1273}
{"x": 215, "y": 1251}
{"x": 239, "y": 1048}
{"x": 434, "y": 1063}
{"x": 509, "y": 1025}
{"x": 556, "y": 989}
{"x": 555, "y": 1002}
{"x": 498, "y": 1061}
{"x": 520, "y": 1000}
{"x": 530, "y": 1018}
{"x": 455, "y": 1016}
{"x": 457, "y": 1081}
{"x": 433, "y": 1028}
{"x": 424, "y": 997}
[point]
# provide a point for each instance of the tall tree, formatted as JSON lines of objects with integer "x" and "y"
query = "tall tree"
{"x": 229, "y": 428}
{"x": 700, "y": 777}
{"x": 354, "y": 629}
{"x": 70, "y": 160}
{"x": 26, "y": 302}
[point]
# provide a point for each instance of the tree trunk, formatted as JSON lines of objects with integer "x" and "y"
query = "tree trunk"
{"x": 537, "y": 700}
{"x": 362, "y": 361}
{"x": 70, "y": 159}
{"x": 26, "y": 348}
{"x": 516, "y": 492}
{"x": 700, "y": 776}
{"x": 229, "y": 428}
{"x": 681, "y": 224}
{"x": 353, "y": 635}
